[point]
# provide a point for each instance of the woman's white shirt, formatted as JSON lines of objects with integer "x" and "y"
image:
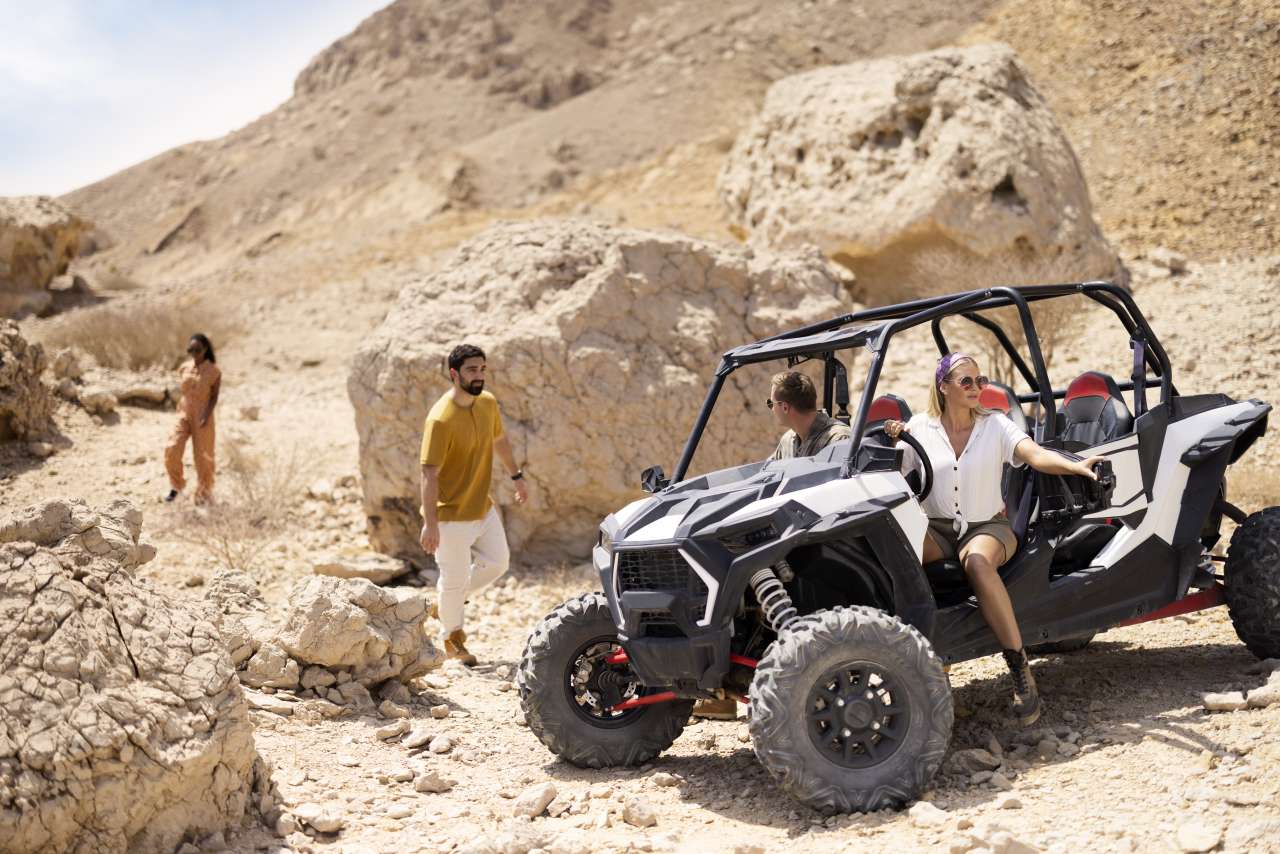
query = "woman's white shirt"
{"x": 965, "y": 489}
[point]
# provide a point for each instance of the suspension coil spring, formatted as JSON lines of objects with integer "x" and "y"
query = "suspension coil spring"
{"x": 774, "y": 599}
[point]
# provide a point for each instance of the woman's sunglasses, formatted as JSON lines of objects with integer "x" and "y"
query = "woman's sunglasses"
{"x": 769, "y": 402}
{"x": 967, "y": 383}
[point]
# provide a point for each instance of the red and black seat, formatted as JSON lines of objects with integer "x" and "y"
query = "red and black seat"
{"x": 998, "y": 397}
{"x": 1093, "y": 411}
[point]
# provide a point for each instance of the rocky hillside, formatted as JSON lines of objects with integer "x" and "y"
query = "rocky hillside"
{"x": 430, "y": 106}
{"x": 1174, "y": 109}
{"x": 433, "y": 106}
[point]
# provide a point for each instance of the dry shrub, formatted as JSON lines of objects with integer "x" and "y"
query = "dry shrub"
{"x": 139, "y": 334}
{"x": 933, "y": 271}
{"x": 254, "y": 500}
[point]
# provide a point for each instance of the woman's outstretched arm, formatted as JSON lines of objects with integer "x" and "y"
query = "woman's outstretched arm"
{"x": 1044, "y": 460}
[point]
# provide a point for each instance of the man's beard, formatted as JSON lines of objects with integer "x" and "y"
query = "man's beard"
{"x": 474, "y": 388}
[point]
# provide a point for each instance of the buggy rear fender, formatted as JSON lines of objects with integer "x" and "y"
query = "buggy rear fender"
{"x": 1240, "y": 432}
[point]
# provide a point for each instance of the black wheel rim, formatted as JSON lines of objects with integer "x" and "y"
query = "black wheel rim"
{"x": 590, "y": 681}
{"x": 857, "y": 715}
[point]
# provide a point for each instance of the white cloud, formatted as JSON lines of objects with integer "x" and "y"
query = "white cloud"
{"x": 89, "y": 88}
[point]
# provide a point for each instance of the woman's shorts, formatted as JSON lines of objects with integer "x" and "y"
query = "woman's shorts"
{"x": 951, "y": 544}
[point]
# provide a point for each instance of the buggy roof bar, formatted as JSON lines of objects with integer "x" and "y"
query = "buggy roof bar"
{"x": 874, "y": 327}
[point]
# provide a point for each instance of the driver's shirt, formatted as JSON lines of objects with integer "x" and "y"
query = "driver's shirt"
{"x": 966, "y": 489}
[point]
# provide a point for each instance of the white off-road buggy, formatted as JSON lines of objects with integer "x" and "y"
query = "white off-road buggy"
{"x": 798, "y": 584}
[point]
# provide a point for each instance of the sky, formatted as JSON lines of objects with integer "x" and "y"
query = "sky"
{"x": 90, "y": 87}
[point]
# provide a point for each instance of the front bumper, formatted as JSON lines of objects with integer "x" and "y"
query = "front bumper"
{"x": 671, "y": 636}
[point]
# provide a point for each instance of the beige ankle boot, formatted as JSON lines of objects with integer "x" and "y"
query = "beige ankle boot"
{"x": 455, "y": 648}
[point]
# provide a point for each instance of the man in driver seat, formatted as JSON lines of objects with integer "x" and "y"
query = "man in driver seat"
{"x": 794, "y": 403}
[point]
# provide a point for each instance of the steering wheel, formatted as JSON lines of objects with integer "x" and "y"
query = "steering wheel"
{"x": 927, "y": 486}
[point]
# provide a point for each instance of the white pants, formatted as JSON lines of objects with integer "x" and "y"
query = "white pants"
{"x": 470, "y": 555}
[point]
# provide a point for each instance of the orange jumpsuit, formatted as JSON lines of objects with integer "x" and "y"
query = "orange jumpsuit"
{"x": 198, "y": 384}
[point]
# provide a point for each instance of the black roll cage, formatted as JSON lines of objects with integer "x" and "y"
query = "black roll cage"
{"x": 875, "y": 327}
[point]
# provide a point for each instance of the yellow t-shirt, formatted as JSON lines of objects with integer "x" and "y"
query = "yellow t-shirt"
{"x": 460, "y": 442}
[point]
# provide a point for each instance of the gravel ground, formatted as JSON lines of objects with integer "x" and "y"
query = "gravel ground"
{"x": 1126, "y": 758}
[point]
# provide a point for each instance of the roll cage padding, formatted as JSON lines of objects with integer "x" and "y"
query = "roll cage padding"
{"x": 1093, "y": 410}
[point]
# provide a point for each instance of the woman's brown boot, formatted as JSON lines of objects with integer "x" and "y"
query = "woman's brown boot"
{"x": 1026, "y": 699}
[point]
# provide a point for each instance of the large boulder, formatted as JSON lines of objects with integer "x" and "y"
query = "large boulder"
{"x": 351, "y": 624}
{"x": 601, "y": 343}
{"x": 38, "y": 239}
{"x": 122, "y": 724}
{"x": 26, "y": 403}
{"x": 929, "y": 172}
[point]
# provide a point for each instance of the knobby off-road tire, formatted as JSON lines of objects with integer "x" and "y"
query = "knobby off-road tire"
{"x": 792, "y": 680}
{"x": 554, "y": 717}
{"x": 1253, "y": 582}
{"x": 1058, "y": 647}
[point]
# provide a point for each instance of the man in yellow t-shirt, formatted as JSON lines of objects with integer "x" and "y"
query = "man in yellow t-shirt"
{"x": 460, "y": 525}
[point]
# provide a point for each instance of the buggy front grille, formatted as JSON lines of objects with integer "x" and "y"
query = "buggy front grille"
{"x": 663, "y": 570}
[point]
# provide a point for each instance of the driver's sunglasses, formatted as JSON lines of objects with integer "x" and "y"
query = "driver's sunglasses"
{"x": 768, "y": 401}
{"x": 967, "y": 383}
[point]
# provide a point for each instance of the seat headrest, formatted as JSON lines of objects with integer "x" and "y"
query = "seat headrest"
{"x": 888, "y": 406}
{"x": 1092, "y": 384}
{"x": 998, "y": 397}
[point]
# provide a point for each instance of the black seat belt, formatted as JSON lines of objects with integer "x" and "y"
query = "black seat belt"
{"x": 1139, "y": 345}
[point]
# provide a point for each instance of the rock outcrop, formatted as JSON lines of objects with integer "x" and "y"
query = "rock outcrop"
{"x": 334, "y": 632}
{"x": 38, "y": 239}
{"x": 374, "y": 633}
{"x": 601, "y": 343}
{"x": 26, "y": 403}
{"x": 929, "y": 172}
{"x": 122, "y": 724}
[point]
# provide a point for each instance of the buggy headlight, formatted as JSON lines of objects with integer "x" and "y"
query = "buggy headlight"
{"x": 606, "y": 540}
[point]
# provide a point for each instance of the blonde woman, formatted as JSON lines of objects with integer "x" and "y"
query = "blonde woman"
{"x": 968, "y": 447}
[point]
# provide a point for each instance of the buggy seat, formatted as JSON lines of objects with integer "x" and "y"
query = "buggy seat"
{"x": 1093, "y": 411}
{"x": 998, "y": 397}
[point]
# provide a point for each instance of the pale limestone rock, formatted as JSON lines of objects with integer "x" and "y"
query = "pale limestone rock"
{"x": 419, "y": 736}
{"x": 587, "y": 326}
{"x": 26, "y": 403}
{"x": 925, "y": 814}
{"x": 270, "y": 666}
{"x": 1199, "y": 835}
{"x": 324, "y": 818}
{"x": 907, "y": 168}
{"x": 39, "y": 237}
{"x": 638, "y": 812}
{"x": 376, "y": 633}
{"x": 269, "y": 703}
{"x": 431, "y": 781}
{"x": 1268, "y": 694}
{"x": 97, "y": 400}
{"x": 67, "y": 364}
{"x": 972, "y": 760}
{"x": 107, "y": 674}
{"x": 391, "y": 730}
{"x": 1229, "y": 701}
{"x": 534, "y": 800}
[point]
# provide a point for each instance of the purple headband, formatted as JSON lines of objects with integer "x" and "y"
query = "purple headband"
{"x": 946, "y": 363}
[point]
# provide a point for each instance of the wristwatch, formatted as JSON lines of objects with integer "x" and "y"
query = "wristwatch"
{"x": 519, "y": 475}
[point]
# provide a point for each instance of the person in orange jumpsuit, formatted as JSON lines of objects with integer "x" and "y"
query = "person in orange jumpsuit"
{"x": 201, "y": 380}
